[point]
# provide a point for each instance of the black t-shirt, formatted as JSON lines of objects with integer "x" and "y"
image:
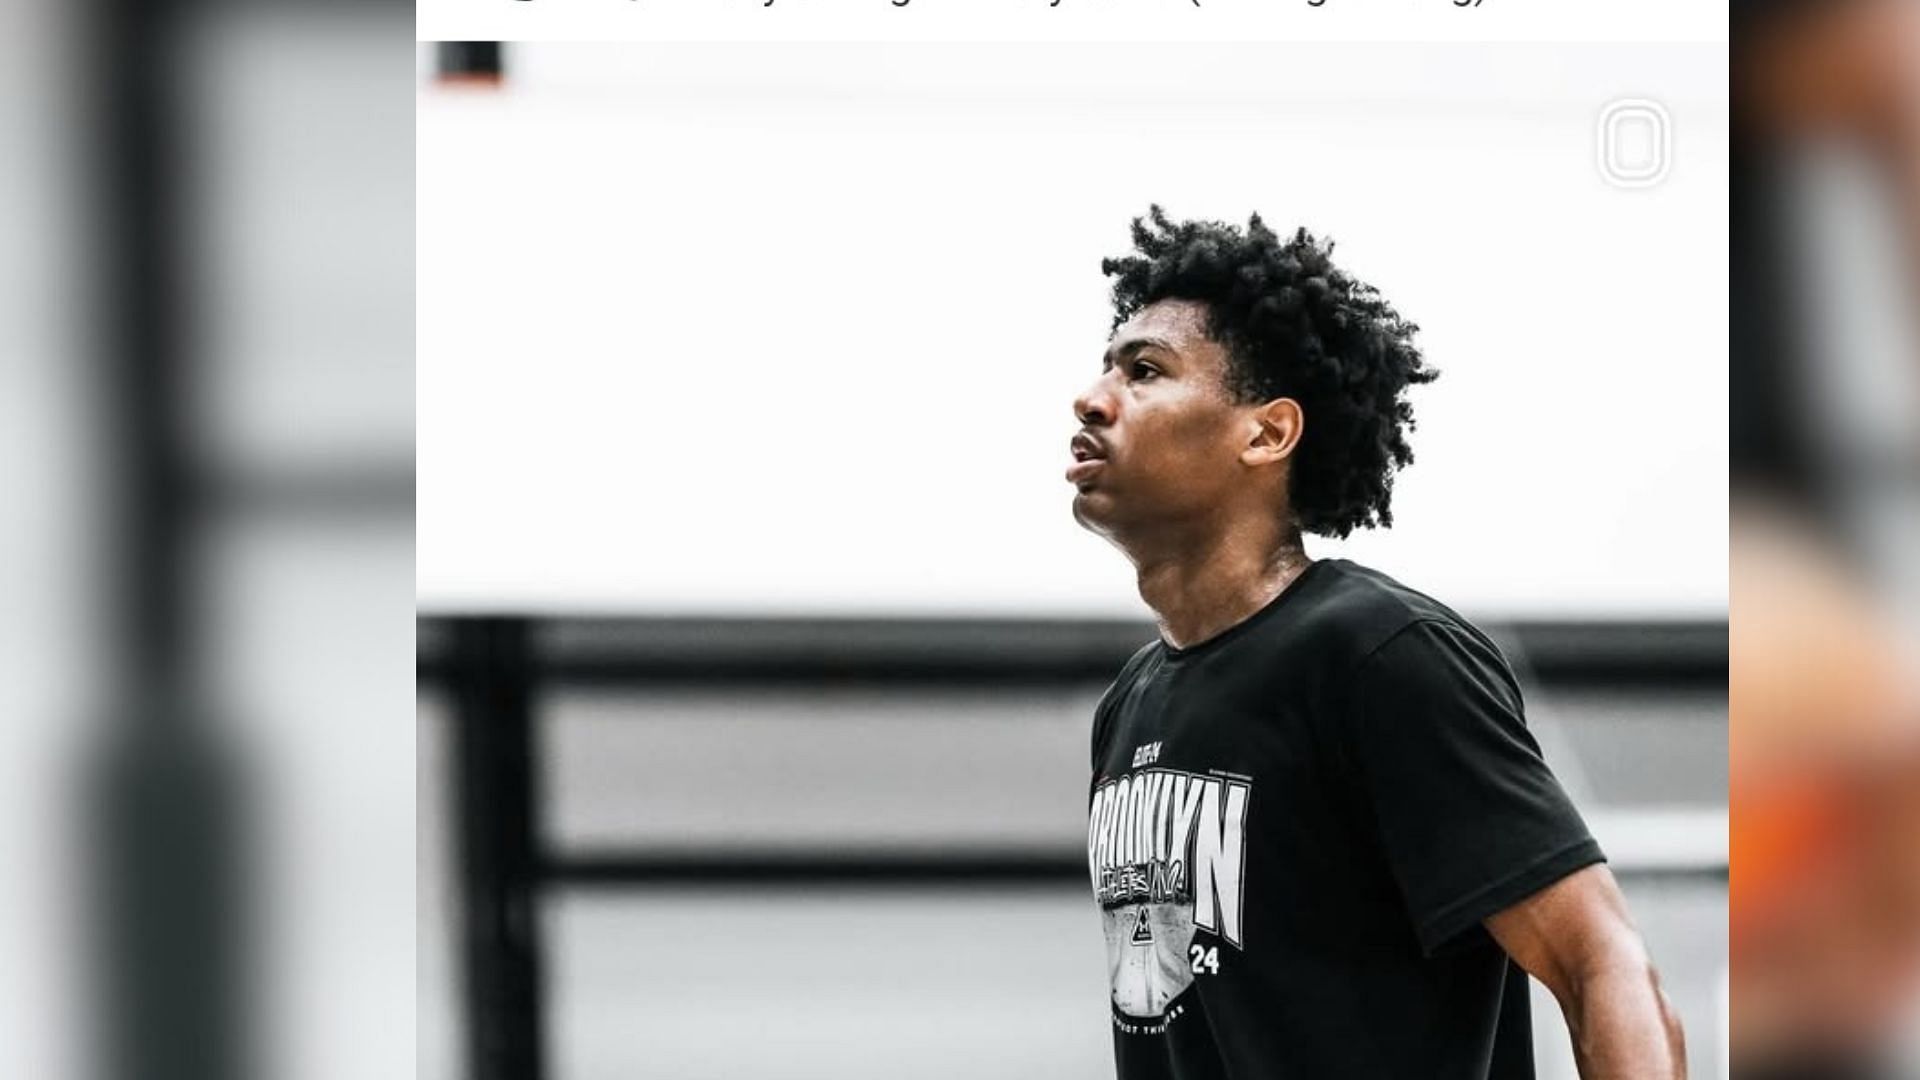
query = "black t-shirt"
{"x": 1296, "y": 828}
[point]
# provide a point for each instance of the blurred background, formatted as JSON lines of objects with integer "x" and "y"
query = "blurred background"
{"x": 1824, "y": 742}
{"x": 206, "y": 551}
{"x": 758, "y": 649}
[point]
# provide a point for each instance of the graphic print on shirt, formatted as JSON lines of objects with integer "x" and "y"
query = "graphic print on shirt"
{"x": 1166, "y": 850}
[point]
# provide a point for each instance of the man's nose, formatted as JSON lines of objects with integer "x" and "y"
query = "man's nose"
{"x": 1094, "y": 406}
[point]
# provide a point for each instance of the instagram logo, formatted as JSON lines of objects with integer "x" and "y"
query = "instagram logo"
{"x": 1635, "y": 143}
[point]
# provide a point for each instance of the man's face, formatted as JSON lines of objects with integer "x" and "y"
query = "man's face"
{"x": 1160, "y": 437}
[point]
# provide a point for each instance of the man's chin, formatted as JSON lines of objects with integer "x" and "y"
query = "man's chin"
{"x": 1092, "y": 509}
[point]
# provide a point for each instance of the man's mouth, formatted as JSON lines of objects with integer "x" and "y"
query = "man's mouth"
{"x": 1088, "y": 457}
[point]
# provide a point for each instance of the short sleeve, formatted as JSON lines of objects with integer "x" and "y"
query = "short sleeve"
{"x": 1470, "y": 818}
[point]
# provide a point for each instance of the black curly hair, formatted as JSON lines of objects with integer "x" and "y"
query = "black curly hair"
{"x": 1295, "y": 326}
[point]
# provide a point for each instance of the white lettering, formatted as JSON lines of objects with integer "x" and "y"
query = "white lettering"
{"x": 1186, "y": 805}
{"x": 1162, "y": 808}
{"x": 1130, "y": 826}
{"x": 1218, "y": 849}
{"x": 1093, "y": 834}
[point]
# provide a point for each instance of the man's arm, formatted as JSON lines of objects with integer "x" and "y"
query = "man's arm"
{"x": 1574, "y": 936}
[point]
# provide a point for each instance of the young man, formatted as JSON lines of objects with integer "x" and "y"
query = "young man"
{"x": 1323, "y": 842}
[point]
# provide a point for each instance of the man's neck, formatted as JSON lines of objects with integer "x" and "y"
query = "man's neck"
{"x": 1208, "y": 588}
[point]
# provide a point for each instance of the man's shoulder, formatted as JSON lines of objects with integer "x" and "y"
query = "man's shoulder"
{"x": 1102, "y": 712}
{"x": 1352, "y": 610}
{"x": 1141, "y": 659}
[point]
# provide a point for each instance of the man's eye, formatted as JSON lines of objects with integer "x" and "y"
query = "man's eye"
{"x": 1143, "y": 371}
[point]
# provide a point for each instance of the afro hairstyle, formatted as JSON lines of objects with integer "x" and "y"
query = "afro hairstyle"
{"x": 1294, "y": 326}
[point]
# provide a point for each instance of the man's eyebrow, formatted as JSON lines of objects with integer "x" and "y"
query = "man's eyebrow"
{"x": 1134, "y": 345}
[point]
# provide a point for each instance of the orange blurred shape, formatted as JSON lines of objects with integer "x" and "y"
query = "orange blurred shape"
{"x": 1815, "y": 692}
{"x": 1779, "y": 832}
{"x": 469, "y": 80}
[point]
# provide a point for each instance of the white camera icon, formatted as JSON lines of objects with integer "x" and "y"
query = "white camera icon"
{"x": 1635, "y": 143}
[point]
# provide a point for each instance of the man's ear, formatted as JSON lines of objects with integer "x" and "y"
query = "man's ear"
{"x": 1278, "y": 427}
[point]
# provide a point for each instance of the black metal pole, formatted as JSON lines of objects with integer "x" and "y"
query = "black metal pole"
{"x": 165, "y": 799}
{"x": 142, "y": 270}
{"x": 495, "y": 793}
